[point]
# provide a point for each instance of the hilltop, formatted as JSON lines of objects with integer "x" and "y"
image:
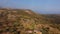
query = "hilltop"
{"x": 25, "y": 21}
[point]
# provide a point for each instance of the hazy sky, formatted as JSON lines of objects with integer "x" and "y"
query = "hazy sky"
{"x": 42, "y": 6}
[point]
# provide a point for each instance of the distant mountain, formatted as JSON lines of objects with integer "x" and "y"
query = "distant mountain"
{"x": 47, "y": 12}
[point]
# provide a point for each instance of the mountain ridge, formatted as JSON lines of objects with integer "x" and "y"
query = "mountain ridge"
{"x": 24, "y": 21}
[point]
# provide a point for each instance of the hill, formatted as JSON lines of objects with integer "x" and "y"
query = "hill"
{"x": 25, "y": 21}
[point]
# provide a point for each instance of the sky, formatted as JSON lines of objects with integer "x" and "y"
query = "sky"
{"x": 40, "y": 6}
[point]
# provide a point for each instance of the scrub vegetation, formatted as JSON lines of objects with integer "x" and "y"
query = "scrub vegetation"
{"x": 25, "y": 21}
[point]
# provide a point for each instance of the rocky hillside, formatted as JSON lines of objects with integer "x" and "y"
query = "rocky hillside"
{"x": 24, "y": 21}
